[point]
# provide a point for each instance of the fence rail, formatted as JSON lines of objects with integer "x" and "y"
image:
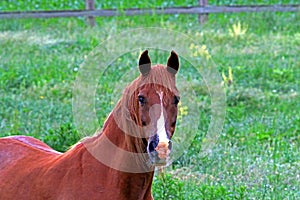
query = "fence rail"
{"x": 136, "y": 11}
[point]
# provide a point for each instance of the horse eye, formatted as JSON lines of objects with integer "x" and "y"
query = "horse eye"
{"x": 142, "y": 99}
{"x": 176, "y": 100}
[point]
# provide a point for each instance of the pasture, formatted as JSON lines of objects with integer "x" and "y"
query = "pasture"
{"x": 257, "y": 154}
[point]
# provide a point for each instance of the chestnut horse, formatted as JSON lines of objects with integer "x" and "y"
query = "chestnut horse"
{"x": 142, "y": 125}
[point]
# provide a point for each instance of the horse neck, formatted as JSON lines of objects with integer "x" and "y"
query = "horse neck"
{"x": 109, "y": 159}
{"x": 112, "y": 131}
{"x": 115, "y": 142}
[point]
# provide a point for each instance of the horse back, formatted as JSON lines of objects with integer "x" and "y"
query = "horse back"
{"x": 21, "y": 160}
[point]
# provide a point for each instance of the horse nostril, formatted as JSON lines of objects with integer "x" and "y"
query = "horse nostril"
{"x": 152, "y": 145}
{"x": 170, "y": 145}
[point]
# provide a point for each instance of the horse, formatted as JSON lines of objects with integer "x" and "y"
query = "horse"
{"x": 116, "y": 163}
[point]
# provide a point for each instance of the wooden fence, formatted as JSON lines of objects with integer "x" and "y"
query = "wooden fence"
{"x": 202, "y": 10}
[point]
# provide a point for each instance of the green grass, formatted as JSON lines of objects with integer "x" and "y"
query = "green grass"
{"x": 257, "y": 155}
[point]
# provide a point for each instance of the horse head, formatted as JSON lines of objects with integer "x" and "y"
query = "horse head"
{"x": 154, "y": 106}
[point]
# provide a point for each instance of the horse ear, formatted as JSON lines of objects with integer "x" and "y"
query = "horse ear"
{"x": 173, "y": 63}
{"x": 144, "y": 63}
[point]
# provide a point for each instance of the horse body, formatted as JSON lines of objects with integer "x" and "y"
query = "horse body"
{"x": 99, "y": 167}
{"x": 32, "y": 170}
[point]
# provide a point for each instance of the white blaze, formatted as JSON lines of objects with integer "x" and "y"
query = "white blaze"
{"x": 161, "y": 130}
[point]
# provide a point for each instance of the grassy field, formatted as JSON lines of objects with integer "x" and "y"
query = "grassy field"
{"x": 257, "y": 155}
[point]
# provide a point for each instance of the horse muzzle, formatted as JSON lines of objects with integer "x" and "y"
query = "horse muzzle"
{"x": 159, "y": 152}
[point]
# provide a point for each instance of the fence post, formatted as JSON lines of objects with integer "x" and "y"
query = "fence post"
{"x": 90, "y": 5}
{"x": 203, "y": 17}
